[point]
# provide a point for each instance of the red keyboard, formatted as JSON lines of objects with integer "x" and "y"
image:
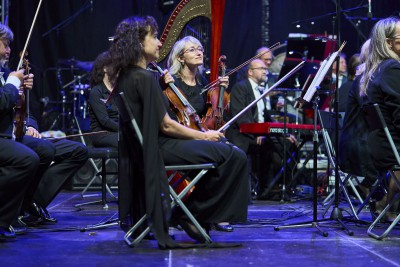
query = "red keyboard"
{"x": 274, "y": 127}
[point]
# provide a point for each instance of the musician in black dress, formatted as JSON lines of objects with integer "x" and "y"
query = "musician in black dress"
{"x": 102, "y": 110}
{"x": 221, "y": 195}
{"x": 185, "y": 64}
{"x": 380, "y": 84}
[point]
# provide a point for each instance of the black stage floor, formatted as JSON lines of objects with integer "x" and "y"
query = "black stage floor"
{"x": 63, "y": 244}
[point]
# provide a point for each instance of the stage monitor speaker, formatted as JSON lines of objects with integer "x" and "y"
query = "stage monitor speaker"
{"x": 87, "y": 172}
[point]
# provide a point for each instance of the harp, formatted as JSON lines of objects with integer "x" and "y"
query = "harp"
{"x": 186, "y": 11}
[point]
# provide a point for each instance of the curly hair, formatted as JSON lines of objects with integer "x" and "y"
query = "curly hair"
{"x": 97, "y": 73}
{"x": 126, "y": 48}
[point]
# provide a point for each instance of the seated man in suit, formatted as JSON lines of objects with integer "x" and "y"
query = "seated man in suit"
{"x": 59, "y": 160}
{"x": 16, "y": 168}
{"x": 268, "y": 148}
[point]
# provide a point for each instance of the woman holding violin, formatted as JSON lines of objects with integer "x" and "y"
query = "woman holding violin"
{"x": 184, "y": 64}
{"x": 221, "y": 195}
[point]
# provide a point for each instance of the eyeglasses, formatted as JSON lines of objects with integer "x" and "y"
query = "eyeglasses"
{"x": 259, "y": 68}
{"x": 193, "y": 49}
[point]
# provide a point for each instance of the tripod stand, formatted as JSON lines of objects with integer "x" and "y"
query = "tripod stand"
{"x": 314, "y": 222}
{"x": 336, "y": 212}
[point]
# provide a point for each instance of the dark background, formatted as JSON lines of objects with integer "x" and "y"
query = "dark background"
{"x": 75, "y": 29}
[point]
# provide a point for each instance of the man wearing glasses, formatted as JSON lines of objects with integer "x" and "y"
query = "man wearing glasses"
{"x": 264, "y": 150}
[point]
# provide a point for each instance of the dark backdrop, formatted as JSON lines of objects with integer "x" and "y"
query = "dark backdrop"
{"x": 74, "y": 29}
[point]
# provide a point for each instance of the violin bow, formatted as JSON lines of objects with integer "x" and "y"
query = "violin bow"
{"x": 212, "y": 84}
{"x": 284, "y": 78}
{"x": 75, "y": 135}
{"x": 24, "y": 51}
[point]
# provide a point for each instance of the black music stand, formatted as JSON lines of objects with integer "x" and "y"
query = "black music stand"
{"x": 311, "y": 94}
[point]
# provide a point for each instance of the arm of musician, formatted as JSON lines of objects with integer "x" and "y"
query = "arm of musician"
{"x": 9, "y": 91}
{"x": 292, "y": 139}
{"x": 8, "y": 97}
{"x": 174, "y": 129}
{"x": 165, "y": 79}
{"x": 99, "y": 109}
{"x": 32, "y": 132}
{"x": 224, "y": 81}
{"x": 16, "y": 78}
{"x": 28, "y": 81}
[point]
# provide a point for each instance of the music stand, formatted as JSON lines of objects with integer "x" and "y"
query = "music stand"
{"x": 308, "y": 96}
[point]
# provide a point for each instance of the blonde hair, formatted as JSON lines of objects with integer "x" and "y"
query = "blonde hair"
{"x": 173, "y": 64}
{"x": 379, "y": 49}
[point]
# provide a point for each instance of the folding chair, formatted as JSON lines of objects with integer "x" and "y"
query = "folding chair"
{"x": 376, "y": 121}
{"x": 126, "y": 115}
{"x": 105, "y": 154}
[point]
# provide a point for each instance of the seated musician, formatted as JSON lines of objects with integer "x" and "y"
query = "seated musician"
{"x": 184, "y": 63}
{"x": 102, "y": 111}
{"x": 18, "y": 163}
{"x": 268, "y": 149}
{"x": 59, "y": 160}
{"x": 222, "y": 194}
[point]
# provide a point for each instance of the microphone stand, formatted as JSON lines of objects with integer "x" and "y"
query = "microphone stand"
{"x": 336, "y": 214}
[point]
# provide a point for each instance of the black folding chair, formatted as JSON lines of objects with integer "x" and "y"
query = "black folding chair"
{"x": 376, "y": 121}
{"x": 126, "y": 115}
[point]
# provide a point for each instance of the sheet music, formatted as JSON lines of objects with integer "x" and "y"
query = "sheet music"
{"x": 319, "y": 76}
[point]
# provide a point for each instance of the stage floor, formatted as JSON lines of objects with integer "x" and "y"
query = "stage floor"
{"x": 63, "y": 244}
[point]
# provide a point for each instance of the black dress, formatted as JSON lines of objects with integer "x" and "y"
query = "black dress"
{"x": 354, "y": 156}
{"x": 103, "y": 117}
{"x": 384, "y": 89}
{"x": 220, "y": 196}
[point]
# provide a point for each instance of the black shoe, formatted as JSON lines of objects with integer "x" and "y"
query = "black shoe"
{"x": 222, "y": 227}
{"x": 31, "y": 220}
{"x": 6, "y": 233}
{"x": 19, "y": 230}
{"x": 38, "y": 211}
{"x": 191, "y": 229}
{"x": 19, "y": 227}
{"x": 46, "y": 216}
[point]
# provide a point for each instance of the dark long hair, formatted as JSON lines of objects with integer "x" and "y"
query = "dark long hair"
{"x": 126, "y": 48}
{"x": 97, "y": 74}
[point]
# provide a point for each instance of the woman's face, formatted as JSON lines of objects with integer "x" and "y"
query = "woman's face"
{"x": 192, "y": 55}
{"x": 394, "y": 42}
{"x": 151, "y": 47}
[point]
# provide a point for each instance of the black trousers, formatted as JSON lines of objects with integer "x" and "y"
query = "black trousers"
{"x": 66, "y": 158}
{"x": 18, "y": 165}
{"x": 106, "y": 140}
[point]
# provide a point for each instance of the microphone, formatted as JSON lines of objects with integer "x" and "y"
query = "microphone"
{"x": 369, "y": 15}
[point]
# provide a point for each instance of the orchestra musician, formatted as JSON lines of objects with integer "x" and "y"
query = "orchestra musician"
{"x": 103, "y": 112}
{"x": 59, "y": 160}
{"x": 184, "y": 64}
{"x": 380, "y": 84}
{"x": 219, "y": 196}
{"x": 267, "y": 148}
{"x": 16, "y": 168}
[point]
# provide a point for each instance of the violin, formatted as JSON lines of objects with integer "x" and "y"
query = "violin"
{"x": 20, "y": 105}
{"x": 184, "y": 111}
{"x": 217, "y": 101}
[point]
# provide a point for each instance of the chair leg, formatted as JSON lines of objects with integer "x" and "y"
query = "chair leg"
{"x": 103, "y": 183}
